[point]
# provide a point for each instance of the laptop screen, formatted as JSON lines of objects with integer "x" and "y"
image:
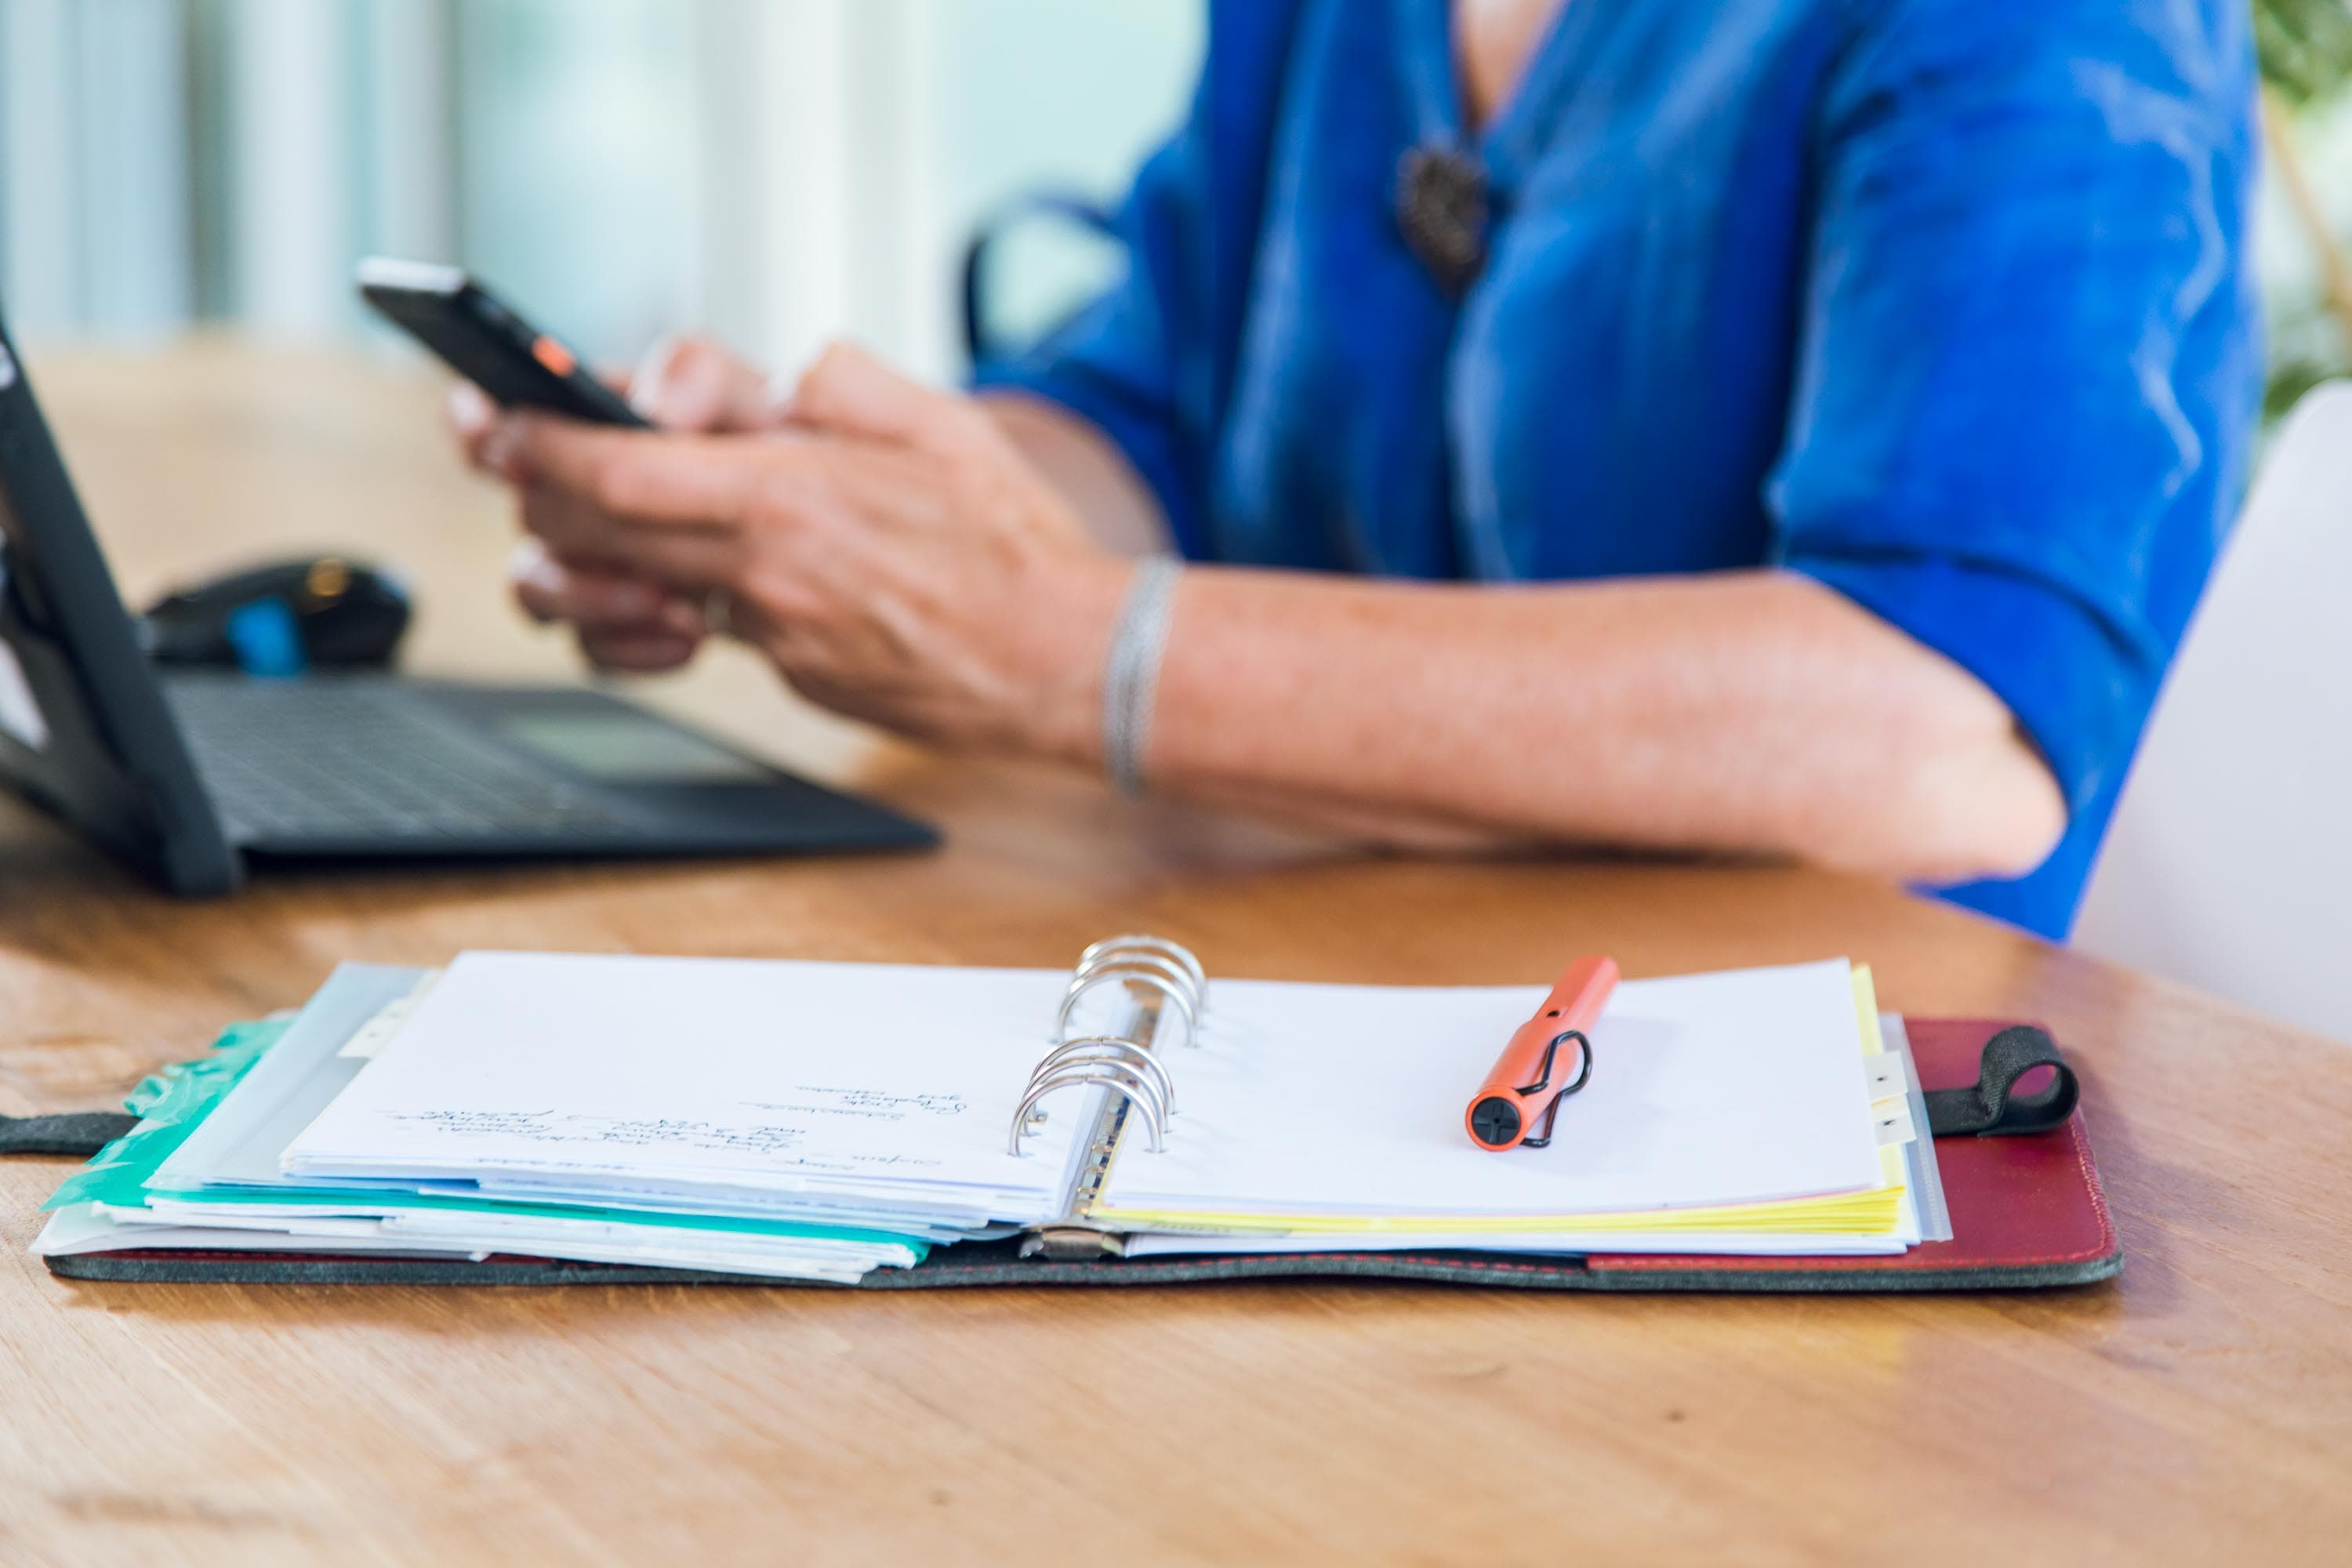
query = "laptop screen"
{"x": 84, "y": 730}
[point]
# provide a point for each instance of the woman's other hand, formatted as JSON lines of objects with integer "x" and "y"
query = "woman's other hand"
{"x": 623, "y": 621}
{"x": 887, "y": 548}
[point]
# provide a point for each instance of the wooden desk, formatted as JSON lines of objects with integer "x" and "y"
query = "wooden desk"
{"x": 2200, "y": 1408}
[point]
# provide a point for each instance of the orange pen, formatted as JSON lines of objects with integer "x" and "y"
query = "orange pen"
{"x": 1525, "y": 1082}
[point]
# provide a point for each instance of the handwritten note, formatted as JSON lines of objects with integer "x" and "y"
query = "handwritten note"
{"x": 876, "y": 1103}
{"x": 774, "y": 1142}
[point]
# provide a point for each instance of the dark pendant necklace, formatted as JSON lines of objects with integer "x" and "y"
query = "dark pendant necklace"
{"x": 1442, "y": 211}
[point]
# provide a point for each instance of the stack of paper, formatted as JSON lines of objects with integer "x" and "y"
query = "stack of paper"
{"x": 811, "y": 1121}
{"x": 1755, "y": 1111}
{"x": 816, "y": 1120}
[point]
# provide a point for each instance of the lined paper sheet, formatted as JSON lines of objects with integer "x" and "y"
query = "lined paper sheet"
{"x": 1734, "y": 1087}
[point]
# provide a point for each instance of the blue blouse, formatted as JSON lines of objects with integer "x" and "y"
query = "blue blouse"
{"x": 1944, "y": 303}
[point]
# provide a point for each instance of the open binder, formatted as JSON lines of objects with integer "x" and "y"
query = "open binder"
{"x": 2023, "y": 1197}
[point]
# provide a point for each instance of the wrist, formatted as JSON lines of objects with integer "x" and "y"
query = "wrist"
{"x": 1066, "y": 632}
{"x": 1138, "y": 639}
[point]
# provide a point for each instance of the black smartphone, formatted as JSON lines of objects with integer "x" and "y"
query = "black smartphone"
{"x": 483, "y": 341}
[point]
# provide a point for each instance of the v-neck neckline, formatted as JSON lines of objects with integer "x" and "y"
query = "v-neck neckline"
{"x": 1507, "y": 139}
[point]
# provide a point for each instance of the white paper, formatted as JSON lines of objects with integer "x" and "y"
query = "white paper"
{"x": 711, "y": 1075}
{"x": 100, "y": 1227}
{"x": 1717, "y": 1089}
{"x": 1923, "y": 1186}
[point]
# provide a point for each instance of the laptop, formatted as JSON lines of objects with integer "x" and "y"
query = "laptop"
{"x": 199, "y": 777}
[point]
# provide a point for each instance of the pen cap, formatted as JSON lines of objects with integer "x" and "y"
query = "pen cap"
{"x": 1576, "y": 997}
{"x": 1529, "y": 1074}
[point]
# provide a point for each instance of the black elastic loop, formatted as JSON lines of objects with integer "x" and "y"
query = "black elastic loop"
{"x": 82, "y": 1133}
{"x": 1988, "y": 1109}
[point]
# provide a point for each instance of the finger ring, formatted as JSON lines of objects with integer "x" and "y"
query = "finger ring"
{"x": 719, "y": 613}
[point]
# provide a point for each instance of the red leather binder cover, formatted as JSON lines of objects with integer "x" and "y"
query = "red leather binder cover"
{"x": 2026, "y": 1211}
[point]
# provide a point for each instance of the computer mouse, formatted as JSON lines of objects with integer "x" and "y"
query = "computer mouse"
{"x": 282, "y": 619}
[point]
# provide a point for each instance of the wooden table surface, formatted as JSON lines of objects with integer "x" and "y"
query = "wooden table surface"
{"x": 2200, "y": 1408}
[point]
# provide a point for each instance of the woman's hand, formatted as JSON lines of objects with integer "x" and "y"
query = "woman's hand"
{"x": 887, "y": 547}
{"x": 623, "y": 621}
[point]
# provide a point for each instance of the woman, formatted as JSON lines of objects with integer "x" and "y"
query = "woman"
{"x": 1797, "y": 426}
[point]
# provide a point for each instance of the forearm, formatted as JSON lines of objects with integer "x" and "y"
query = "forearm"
{"x": 899, "y": 559}
{"x": 1120, "y": 513}
{"x": 1749, "y": 711}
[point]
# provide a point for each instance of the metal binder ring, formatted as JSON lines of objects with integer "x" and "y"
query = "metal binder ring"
{"x": 1106, "y": 1072}
{"x": 1175, "y": 985}
{"x": 1160, "y": 982}
{"x": 1158, "y": 960}
{"x": 1140, "y": 1092}
{"x": 1137, "y": 966}
{"x": 1110, "y": 1048}
{"x": 1144, "y": 942}
{"x": 1106, "y": 1047}
{"x": 1139, "y": 963}
{"x": 1141, "y": 969}
{"x": 1140, "y": 942}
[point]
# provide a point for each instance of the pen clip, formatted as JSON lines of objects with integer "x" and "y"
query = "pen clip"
{"x": 1584, "y": 1071}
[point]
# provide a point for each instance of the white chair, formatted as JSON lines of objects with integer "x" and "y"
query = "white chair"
{"x": 2228, "y": 866}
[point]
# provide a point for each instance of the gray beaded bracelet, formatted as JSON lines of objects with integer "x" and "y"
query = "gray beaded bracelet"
{"x": 1132, "y": 671}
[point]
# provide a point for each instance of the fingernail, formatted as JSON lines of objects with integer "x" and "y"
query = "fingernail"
{"x": 784, "y": 398}
{"x": 538, "y": 570}
{"x": 502, "y": 450}
{"x": 468, "y": 408}
{"x": 646, "y": 381}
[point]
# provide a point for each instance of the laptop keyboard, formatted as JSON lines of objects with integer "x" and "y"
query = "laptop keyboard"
{"x": 334, "y": 761}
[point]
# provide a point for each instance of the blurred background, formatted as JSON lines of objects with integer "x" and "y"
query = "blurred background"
{"x": 185, "y": 186}
{"x": 2306, "y": 48}
{"x": 773, "y": 170}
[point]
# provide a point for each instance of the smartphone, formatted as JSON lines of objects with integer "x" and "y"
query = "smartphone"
{"x": 483, "y": 341}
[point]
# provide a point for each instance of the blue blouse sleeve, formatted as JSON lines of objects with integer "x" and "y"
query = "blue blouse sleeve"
{"x": 1150, "y": 362}
{"x": 2029, "y": 360}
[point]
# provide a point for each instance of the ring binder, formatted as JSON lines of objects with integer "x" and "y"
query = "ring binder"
{"x": 2015, "y": 1212}
{"x": 1125, "y": 1064}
